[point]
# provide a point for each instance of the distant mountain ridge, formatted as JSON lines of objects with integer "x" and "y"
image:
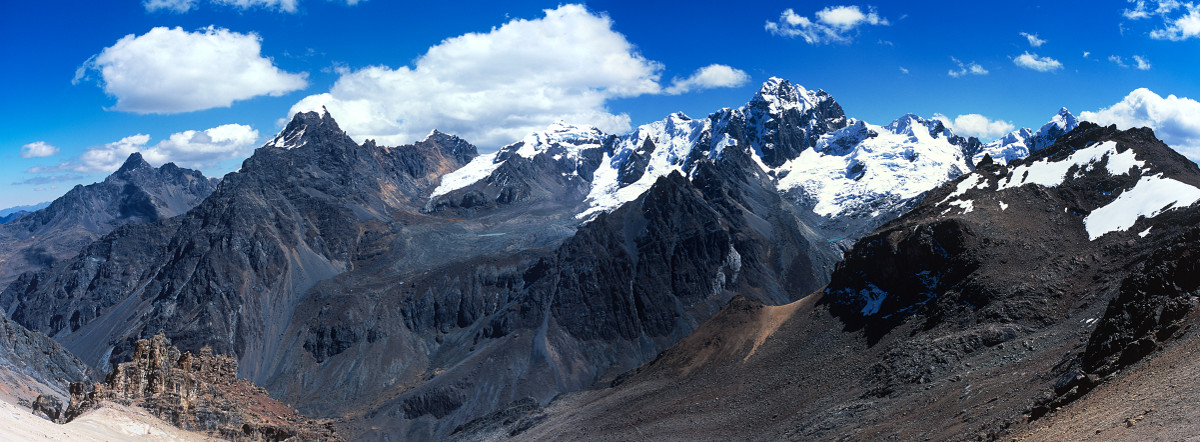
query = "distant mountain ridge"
{"x": 849, "y": 174}
{"x": 137, "y": 192}
{"x": 28, "y": 208}
{"x": 15, "y": 212}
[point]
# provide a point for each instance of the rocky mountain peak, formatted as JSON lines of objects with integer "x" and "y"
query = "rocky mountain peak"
{"x": 311, "y": 127}
{"x": 1059, "y": 124}
{"x": 134, "y": 162}
{"x": 450, "y": 146}
{"x": 915, "y": 126}
{"x": 776, "y": 90}
{"x": 561, "y": 131}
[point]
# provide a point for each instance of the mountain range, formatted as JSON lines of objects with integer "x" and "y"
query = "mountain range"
{"x": 776, "y": 256}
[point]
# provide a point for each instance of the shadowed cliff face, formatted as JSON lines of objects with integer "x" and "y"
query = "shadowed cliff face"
{"x": 135, "y": 193}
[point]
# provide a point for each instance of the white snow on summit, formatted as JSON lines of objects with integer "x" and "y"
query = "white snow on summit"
{"x": 901, "y": 160}
{"x": 780, "y": 95}
{"x": 1022, "y": 142}
{"x": 860, "y": 169}
{"x": 570, "y": 138}
{"x": 673, "y": 140}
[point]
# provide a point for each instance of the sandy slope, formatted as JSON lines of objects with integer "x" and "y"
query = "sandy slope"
{"x": 111, "y": 422}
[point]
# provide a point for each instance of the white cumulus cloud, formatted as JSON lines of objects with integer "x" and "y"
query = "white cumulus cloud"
{"x": 1040, "y": 64}
{"x": 831, "y": 25}
{"x": 708, "y": 77}
{"x": 38, "y": 149}
{"x": 1033, "y": 39}
{"x": 169, "y": 70}
{"x": 1175, "y": 120}
{"x": 976, "y": 125}
{"x": 492, "y": 88}
{"x": 191, "y": 148}
{"x": 971, "y": 68}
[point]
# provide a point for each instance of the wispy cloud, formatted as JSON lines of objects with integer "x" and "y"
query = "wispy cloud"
{"x": 834, "y": 24}
{"x": 1138, "y": 12}
{"x": 183, "y": 6}
{"x": 47, "y": 179}
{"x": 1137, "y": 62}
{"x": 964, "y": 69}
{"x": 903, "y": 70}
{"x": 1033, "y": 39}
{"x": 1040, "y": 64}
{"x": 1180, "y": 20}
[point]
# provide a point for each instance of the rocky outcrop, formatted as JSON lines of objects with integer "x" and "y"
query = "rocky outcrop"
{"x": 196, "y": 392}
{"x": 135, "y": 193}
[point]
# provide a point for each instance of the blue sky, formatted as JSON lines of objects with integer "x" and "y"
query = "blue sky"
{"x": 203, "y": 82}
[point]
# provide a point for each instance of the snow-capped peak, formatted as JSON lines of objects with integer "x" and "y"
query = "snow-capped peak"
{"x": 1062, "y": 122}
{"x": 662, "y": 146}
{"x": 863, "y": 169}
{"x": 292, "y": 136}
{"x": 561, "y": 140}
{"x": 433, "y": 133}
{"x": 779, "y": 95}
{"x": 571, "y": 138}
{"x": 776, "y": 89}
{"x": 918, "y": 128}
{"x": 1022, "y": 142}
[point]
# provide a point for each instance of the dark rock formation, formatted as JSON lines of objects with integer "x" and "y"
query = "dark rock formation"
{"x": 196, "y": 392}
